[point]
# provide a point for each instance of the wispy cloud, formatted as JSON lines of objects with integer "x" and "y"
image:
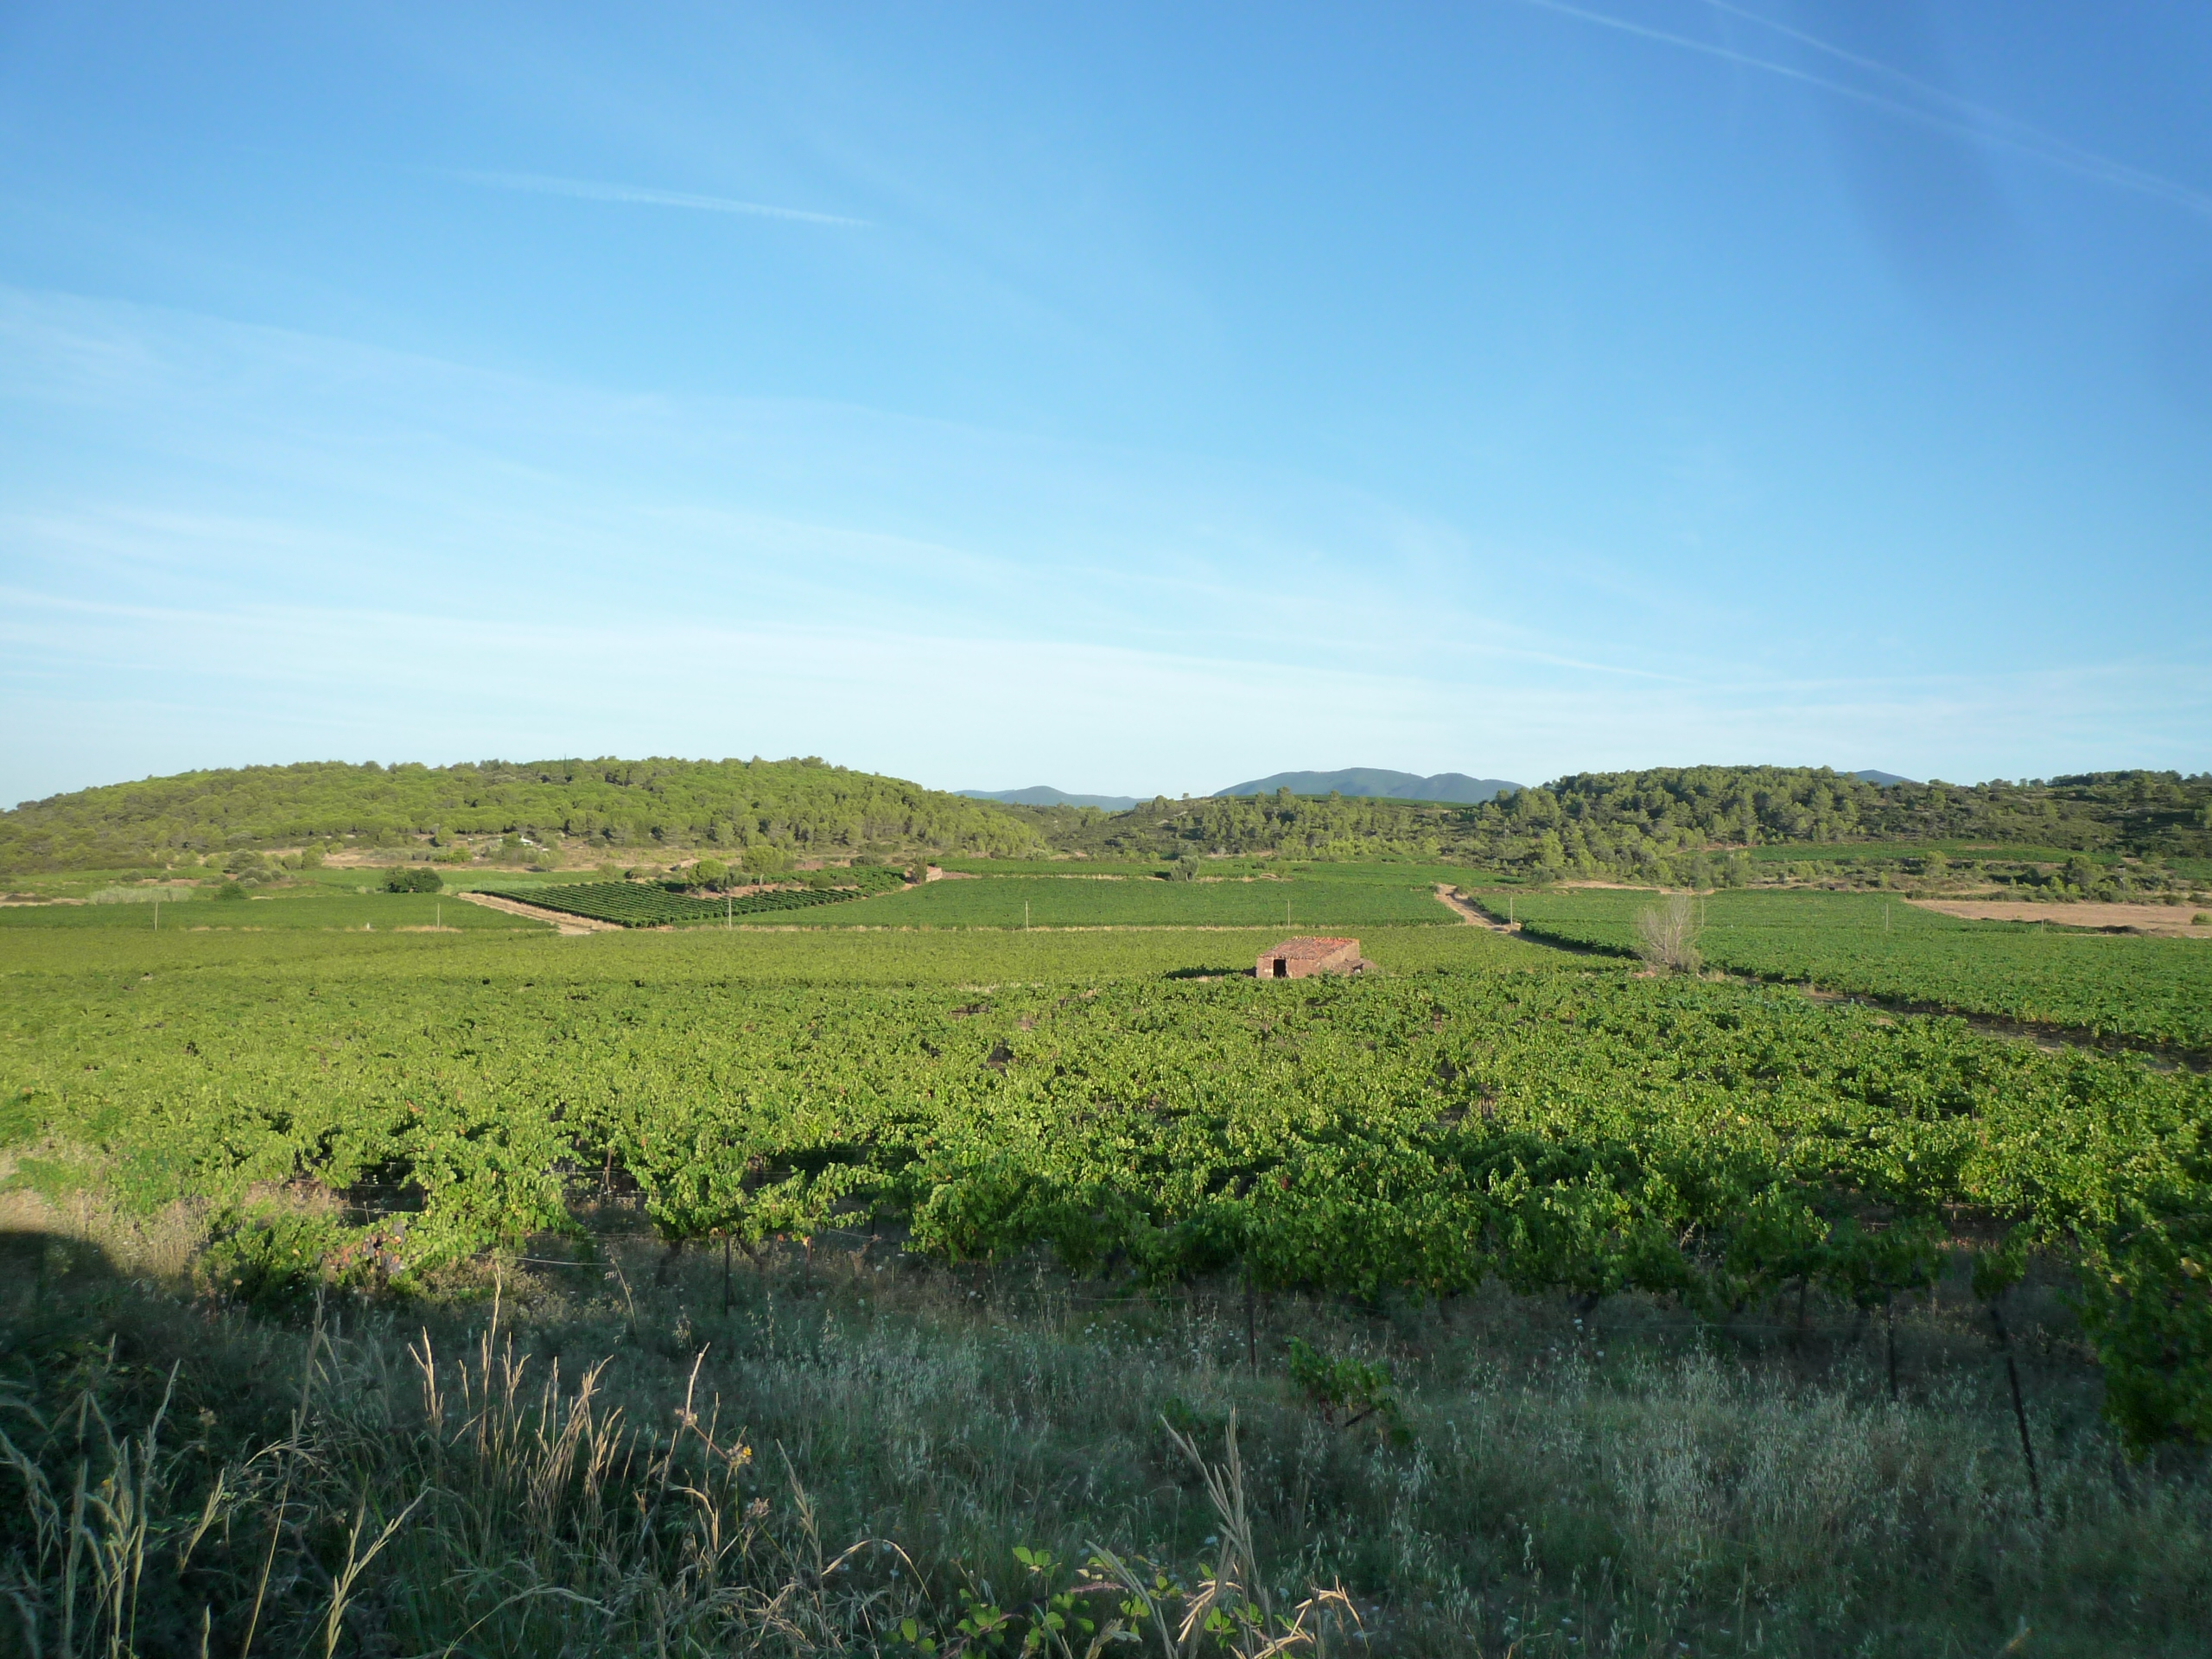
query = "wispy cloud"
{"x": 587, "y": 190}
{"x": 1970, "y": 121}
{"x": 165, "y": 595}
{"x": 98, "y": 688}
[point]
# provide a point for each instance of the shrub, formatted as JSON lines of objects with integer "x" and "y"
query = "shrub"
{"x": 273, "y": 1261}
{"x": 513, "y": 849}
{"x": 1349, "y": 1387}
{"x": 230, "y": 890}
{"x": 420, "y": 880}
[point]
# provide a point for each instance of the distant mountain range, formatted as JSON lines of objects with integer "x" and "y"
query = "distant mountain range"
{"x": 1370, "y": 780}
{"x": 1045, "y": 795}
{"x": 1885, "y": 778}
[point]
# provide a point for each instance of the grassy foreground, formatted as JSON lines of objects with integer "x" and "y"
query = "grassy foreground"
{"x": 582, "y": 1453}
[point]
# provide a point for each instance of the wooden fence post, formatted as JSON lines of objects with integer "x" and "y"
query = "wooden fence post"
{"x": 2019, "y": 1411}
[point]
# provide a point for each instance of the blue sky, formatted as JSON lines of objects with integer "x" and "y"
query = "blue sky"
{"x": 1127, "y": 399}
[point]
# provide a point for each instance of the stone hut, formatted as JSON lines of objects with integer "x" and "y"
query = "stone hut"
{"x": 1301, "y": 958}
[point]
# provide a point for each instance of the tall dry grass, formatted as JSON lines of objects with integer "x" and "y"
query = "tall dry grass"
{"x": 574, "y": 1459}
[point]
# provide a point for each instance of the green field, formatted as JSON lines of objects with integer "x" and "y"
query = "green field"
{"x": 316, "y": 908}
{"x": 1021, "y": 1180}
{"x": 653, "y": 904}
{"x": 1957, "y": 852}
{"x": 1298, "y": 900}
{"x": 1075, "y": 869}
{"x": 1561, "y": 1125}
{"x": 1397, "y": 896}
{"x": 2152, "y": 990}
{"x": 765, "y": 955}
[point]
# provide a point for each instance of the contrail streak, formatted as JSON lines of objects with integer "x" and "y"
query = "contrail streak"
{"x": 2088, "y": 161}
{"x": 2030, "y": 142}
{"x": 583, "y": 189}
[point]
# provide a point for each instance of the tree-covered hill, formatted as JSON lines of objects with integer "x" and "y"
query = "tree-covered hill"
{"x": 802, "y": 808}
{"x": 1696, "y": 824}
{"x": 1680, "y": 822}
{"x": 1747, "y": 806}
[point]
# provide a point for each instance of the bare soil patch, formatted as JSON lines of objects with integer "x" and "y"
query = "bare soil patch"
{"x": 2172, "y": 920}
{"x": 566, "y": 922}
{"x": 1468, "y": 913}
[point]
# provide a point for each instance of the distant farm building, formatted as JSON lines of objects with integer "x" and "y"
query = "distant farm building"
{"x": 1301, "y": 958}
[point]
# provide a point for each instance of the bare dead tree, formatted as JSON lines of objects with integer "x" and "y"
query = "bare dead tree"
{"x": 1666, "y": 935}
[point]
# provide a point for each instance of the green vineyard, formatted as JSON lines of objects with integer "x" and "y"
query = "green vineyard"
{"x": 637, "y": 903}
{"x": 1303, "y": 900}
{"x": 1565, "y": 1127}
{"x": 2151, "y": 991}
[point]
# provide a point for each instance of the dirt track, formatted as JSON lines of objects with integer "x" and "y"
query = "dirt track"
{"x": 2139, "y": 918}
{"x": 1471, "y": 913}
{"x": 561, "y": 919}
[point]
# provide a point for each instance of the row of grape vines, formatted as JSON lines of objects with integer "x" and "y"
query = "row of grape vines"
{"x": 637, "y": 903}
{"x": 1562, "y": 1131}
{"x": 2149, "y": 990}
